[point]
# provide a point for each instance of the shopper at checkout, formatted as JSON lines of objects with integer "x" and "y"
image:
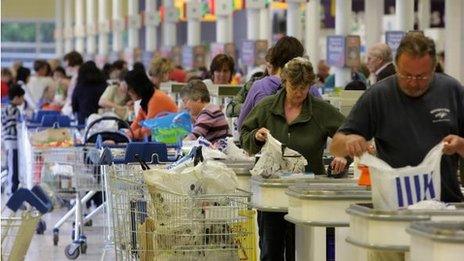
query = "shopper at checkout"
{"x": 301, "y": 122}
{"x": 428, "y": 107}
{"x": 209, "y": 120}
{"x": 153, "y": 101}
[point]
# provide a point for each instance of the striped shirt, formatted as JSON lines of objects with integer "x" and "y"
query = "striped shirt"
{"x": 211, "y": 123}
{"x": 10, "y": 117}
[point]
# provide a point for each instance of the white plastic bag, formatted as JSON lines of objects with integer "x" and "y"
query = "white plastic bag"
{"x": 234, "y": 153}
{"x": 272, "y": 161}
{"x": 393, "y": 189}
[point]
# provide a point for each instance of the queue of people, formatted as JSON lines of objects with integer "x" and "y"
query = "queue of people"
{"x": 283, "y": 101}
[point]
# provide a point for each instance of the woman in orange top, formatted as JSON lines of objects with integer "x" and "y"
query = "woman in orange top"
{"x": 152, "y": 102}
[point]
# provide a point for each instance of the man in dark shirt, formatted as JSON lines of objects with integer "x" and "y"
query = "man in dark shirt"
{"x": 409, "y": 114}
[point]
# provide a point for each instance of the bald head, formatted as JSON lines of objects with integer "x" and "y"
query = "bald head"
{"x": 378, "y": 55}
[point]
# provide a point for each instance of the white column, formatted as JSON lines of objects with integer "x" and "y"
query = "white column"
{"x": 79, "y": 29}
{"x": 68, "y": 26}
{"x": 230, "y": 28}
{"x": 404, "y": 15}
{"x": 91, "y": 27}
{"x": 134, "y": 24}
{"x": 224, "y": 29}
{"x": 151, "y": 22}
{"x": 265, "y": 23}
{"x": 454, "y": 39}
{"x": 252, "y": 24}
{"x": 103, "y": 28}
{"x": 193, "y": 23}
{"x": 294, "y": 19}
{"x": 169, "y": 24}
{"x": 373, "y": 14}
{"x": 118, "y": 26}
{"x": 59, "y": 47}
{"x": 424, "y": 12}
{"x": 342, "y": 22}
{"x": 313, "y": 20}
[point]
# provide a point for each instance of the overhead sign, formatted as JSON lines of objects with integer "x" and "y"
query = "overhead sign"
{"x": 353, "y": 51}
{"x": 393, "y": 39}
{"x": 248, "y": 52}
{"x": 336, "y": 50}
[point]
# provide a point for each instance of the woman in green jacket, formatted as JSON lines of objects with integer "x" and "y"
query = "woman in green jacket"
{"x": 302, "y": 123}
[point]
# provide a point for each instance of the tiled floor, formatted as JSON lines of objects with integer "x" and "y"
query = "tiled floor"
{"x": 42, "y": 247}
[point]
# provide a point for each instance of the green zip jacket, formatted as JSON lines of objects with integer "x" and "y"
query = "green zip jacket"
{"x": 307, "y": 134}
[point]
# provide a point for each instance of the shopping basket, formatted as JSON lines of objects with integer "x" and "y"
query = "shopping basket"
{"x": 18, "y": 228}
{"x": 154, "y": 224}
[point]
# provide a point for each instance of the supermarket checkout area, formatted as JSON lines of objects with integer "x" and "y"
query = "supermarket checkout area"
{"x": 316, "y": 204}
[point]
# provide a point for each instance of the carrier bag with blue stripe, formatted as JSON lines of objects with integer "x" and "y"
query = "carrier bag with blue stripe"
{"x": 394, "y": 189}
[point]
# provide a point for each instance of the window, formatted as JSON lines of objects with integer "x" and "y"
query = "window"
{"x": 27, "y": 41}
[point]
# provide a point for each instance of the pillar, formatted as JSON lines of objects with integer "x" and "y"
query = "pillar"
{"x": 294, "y": 18}
{"x": 68, "y": 28}
{"x": 312, "y": 30}
{"x": 454, "y": 37}
{"x": 193, "y": 23}
{"x": 118, "y": 26}
{"x": 373, "y": 13}
{"x": 91, "y": 27}
{"x": 79, "y": 29}
{"x": 134, "y": 24}
{"x": 103, "y": 28}
{"x": 152, "y": 20}
{"x": 169, "y": 24}
{"x": 59, "y": 44}
{"x": 223, "y": 11}
{"x": 424, "y": 12}
{"x": 342, "y": 23}
{"x": 404, "y": 15}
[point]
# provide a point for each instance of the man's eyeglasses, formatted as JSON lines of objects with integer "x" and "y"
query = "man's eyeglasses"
{"x": 413, "y": 78}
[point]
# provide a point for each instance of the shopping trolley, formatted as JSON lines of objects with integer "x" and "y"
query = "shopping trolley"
{"x": 151, "y": 223}
{"x": 18, "y": 228}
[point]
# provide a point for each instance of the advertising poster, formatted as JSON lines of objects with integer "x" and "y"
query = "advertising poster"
{"x": 248, "y": 52}
{"x": 336, "y": 51}
{"x": 187, "y": 57}
{"x": 353, "y": 51}
{"x": 393, "y": 39}
{"x": 260, "y": 52}
{"x": 199, "y": 56}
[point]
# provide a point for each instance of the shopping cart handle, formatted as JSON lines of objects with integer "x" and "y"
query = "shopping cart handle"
{"x": 35, "y": 197}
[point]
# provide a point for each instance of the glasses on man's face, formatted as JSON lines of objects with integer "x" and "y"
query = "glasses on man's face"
{"x": 413, "y": 78}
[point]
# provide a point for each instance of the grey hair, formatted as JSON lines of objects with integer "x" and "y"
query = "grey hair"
{"x": 382, "y": 51}
{"x": 195, "y": 90}
{"x": 299, "y": 72}
{"x": 418, "y": 45}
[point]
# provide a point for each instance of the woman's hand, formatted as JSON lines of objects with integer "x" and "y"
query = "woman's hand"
{"x": 338, "y": 165}
{"x": 261, "y": 134}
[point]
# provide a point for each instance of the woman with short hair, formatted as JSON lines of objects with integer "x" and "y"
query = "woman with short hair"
{"x": 302, "y": 123}
{"x": 209, "y": 120}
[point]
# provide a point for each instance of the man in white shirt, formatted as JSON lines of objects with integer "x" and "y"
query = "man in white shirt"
{"x": 379, "y": 62}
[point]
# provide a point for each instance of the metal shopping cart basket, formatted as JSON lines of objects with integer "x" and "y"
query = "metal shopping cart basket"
{"x": 155, "y": 224}
{"x": 18, "y": 228}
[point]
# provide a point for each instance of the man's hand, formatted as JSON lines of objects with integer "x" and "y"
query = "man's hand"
{"x": 356, "y": 145}
{"x": 453, "y": 144}
{"x": 338, "y": 165}
{"x": 261, "y": 134}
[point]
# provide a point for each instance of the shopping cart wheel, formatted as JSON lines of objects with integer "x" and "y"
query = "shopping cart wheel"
{"x": 41, "y": 227}
{"x": 72, "y": 251}
{"x": 88, "y": 223}
{"x": 84, "y": 247}
{"x": 56, "y": 236}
